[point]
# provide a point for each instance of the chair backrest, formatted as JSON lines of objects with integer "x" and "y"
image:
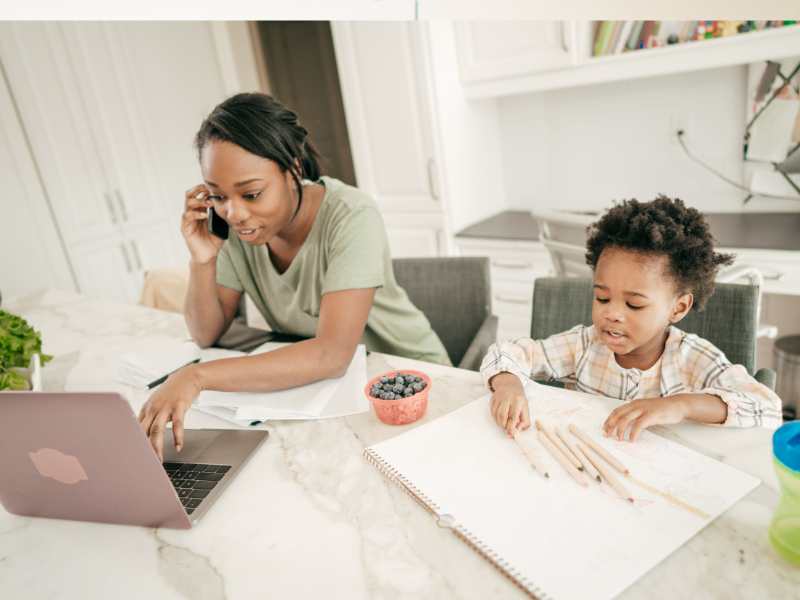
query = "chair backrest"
{"x": 728, "y": 321}
{"x": 453, "y": 292}
{"x": 564, "y": 236}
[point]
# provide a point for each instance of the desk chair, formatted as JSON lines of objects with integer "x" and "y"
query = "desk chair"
{"x": 455, "y": 295}
{"x": 728, "y": 321}
{"x": 563, "y": 234}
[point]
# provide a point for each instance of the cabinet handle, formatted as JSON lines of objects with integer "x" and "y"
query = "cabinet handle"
{"x": 121, "y": 203}
{"x": 564, "y": 32}
{"x": 136, "y": 255}
{"x": 126, "y": 257}
{"x": 432, "y": 179}
{"x": 511, "y": 265}
{"x": 511, "y": 300}
{"x": 111, "y": 210}
{"x": 772, "y": 275}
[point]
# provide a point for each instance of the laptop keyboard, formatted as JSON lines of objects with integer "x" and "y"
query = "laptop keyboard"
{"x": 194, "y": 482}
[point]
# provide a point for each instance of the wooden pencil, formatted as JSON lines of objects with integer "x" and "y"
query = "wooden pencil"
{"x": 588, "y": 467}
{"x": 670, "y": 498}
{"x": 532, "y": 457}
{"x": 599, "y": 449}
{"x": 559, "y": 444}
{"x": 561, "y": 459}
{"x": 606, "y": 473}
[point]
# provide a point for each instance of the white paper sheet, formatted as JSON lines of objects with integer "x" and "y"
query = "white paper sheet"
{"x": 560, "y": 539}
{"x": 322, "y": 399}
{"x": 143, "y": 365}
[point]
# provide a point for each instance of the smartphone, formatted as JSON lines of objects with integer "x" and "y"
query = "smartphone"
{"x": 216, "y": 224}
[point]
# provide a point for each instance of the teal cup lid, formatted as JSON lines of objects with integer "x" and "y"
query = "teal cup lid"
{"x": 786, "y": 445}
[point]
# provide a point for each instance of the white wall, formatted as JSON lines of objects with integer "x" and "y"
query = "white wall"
{"x": 584, "y": 147}
{"x": 470, "y": 134}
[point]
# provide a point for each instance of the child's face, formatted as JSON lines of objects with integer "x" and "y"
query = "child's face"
{"x": 635, "y": 299}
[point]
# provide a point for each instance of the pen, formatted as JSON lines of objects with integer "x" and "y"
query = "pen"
{"x": 161, "y": 380}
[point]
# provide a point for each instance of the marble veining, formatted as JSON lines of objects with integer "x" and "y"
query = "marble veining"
{"x": 308, "y": 517}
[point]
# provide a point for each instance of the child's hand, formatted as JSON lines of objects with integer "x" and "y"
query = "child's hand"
{"x": 509, "y": 405}
{"x": 643, "y": 413}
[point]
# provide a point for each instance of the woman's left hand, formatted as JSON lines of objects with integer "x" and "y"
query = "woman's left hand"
{"x": 169, "y": 403}
{"x": 643, "y": 413}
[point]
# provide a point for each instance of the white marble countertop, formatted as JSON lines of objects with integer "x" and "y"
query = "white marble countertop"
{"x": 308, "y": 517}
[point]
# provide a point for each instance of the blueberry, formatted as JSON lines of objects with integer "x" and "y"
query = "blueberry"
{"x": 384, "y": 379}
{"x": 409, "y": 390}
{"x": 398, "y": 388}
{"x": 417, "y": 387}
{"x": 400, "y": 380}
{"x": 391, "y": 396}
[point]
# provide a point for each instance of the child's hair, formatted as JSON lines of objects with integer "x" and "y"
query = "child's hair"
{"x": 664, "y": 226}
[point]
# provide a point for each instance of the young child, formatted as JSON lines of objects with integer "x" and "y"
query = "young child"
{"x": 653, "y": 262}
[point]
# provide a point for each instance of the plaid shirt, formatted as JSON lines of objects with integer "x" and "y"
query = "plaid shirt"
{"x": 689, "y": 364}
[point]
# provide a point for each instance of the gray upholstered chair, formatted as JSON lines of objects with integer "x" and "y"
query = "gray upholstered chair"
{"x": 455, "y": 295}
{"x": 728, "y": 321}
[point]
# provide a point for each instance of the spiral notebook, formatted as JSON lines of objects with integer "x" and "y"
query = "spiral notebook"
{"x": 553, "y": 538}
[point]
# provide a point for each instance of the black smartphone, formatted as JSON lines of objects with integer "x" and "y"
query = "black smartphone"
{"x": 216, "y": 224}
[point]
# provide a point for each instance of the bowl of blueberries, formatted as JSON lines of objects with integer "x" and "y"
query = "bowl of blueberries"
{"x": 399, "y": 397}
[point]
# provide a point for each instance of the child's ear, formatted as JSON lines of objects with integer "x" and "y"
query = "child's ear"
{"x": 682, "y": 306}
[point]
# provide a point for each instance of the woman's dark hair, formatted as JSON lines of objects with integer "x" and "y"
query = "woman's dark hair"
{"x": 265, "y": 127}
{"x": 667, "y": 227}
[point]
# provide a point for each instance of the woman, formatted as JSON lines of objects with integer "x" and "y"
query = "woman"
{"x": 310, "y": 251}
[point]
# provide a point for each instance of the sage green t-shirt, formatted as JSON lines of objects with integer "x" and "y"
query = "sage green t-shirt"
{"x": 347, "y": 248}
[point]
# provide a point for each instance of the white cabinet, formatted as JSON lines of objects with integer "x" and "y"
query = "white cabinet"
{"x": 496, "y": 49}
{"x": 110, "y": 111}
{"x": 503, "y": 58}
{"x": 31, "y": 252}
{"x": 514, "y": 267}
{"x": 384, "y": 78}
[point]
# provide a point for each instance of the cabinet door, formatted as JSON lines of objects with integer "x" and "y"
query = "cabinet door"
{"x": 148, "y": 246}
{"x": 98, "y": 54}
{"x": 386, "y": 103}
{"x": 497, "y": 49}
{"x": 31, "y": 254}
{"x": 105, "y": 269}
{"x": 58, "y": 122}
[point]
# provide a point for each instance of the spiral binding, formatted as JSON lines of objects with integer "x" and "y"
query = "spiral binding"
{"x": 517, "y": 578}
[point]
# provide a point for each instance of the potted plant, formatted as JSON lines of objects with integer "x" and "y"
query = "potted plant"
{"x": 21, "y": 357}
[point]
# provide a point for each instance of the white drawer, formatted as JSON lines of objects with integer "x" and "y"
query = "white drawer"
{"x": 509, "y": 328}
{"x": 513, "y": 300}
{"x": 510, "y": 260}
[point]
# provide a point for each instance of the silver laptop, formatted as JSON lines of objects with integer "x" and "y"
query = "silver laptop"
{"x": 83, "y": 456}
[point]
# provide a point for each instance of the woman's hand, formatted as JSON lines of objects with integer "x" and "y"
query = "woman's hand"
{"x": 509, "y": 406}
{"x": 643, "y": 413}
{"x": 169, "y": 403}
{"x": 203, "y": 246}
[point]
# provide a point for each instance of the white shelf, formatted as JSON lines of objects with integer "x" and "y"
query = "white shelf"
{"x": 680, "y": 58}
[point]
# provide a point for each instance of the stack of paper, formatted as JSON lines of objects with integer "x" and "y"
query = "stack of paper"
{"x": 319, "y": 400}
{"x": 142, "y": 367}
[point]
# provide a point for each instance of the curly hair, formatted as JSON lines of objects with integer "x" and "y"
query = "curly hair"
{"x": 667, "y": 227}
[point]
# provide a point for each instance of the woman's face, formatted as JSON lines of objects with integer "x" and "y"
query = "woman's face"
{"x": 248, "y": 191}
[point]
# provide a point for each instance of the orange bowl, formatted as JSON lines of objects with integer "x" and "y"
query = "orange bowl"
{"x": 400, "y": 411}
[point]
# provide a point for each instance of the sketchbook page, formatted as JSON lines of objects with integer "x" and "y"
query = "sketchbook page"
{"x": 566, "y": 540}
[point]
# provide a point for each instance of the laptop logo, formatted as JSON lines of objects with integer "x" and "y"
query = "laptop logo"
{"x": 57, "y": 465}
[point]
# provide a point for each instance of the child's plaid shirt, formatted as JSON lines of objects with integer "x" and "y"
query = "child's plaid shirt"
{"x": 689, "y": 364}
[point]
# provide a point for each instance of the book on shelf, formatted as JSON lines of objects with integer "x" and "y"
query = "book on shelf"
{"x": 617, "y": 37}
